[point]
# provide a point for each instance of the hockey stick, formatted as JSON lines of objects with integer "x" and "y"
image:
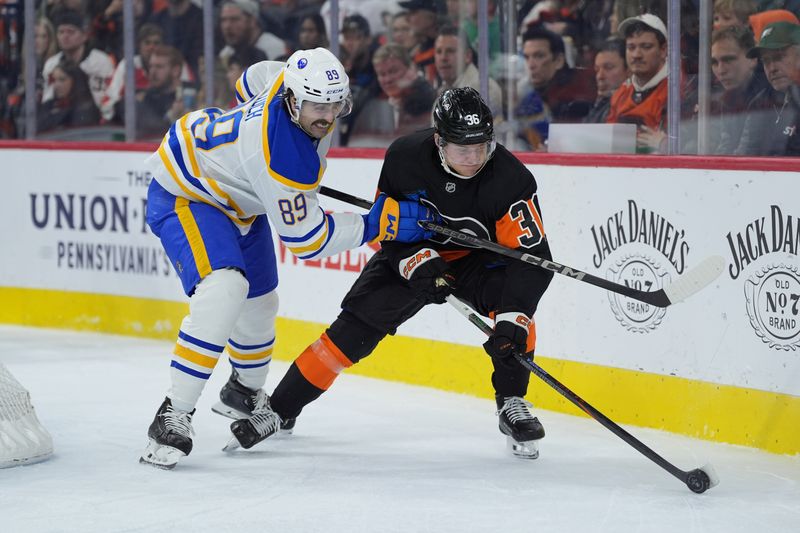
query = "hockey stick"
{"x": 688, "y": 284}
{"x": 698, "y": 480}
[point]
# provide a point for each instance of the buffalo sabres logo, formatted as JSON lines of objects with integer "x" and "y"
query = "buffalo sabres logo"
{"x": 450, "y": 187}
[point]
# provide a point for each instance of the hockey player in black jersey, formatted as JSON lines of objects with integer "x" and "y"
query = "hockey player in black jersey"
{"x": 476, "y": 186}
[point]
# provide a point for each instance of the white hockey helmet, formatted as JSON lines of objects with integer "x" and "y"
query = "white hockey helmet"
{"x": 317, "y": 76}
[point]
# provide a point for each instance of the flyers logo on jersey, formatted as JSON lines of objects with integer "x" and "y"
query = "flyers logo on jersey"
{"x": 408, "y": 265}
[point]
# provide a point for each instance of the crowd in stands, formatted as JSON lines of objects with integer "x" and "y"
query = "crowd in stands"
{"x": 563, "y": 61}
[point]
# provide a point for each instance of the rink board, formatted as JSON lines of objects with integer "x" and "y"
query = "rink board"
{"x": 721, "y": 366}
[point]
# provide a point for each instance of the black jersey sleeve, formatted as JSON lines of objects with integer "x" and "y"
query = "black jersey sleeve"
{"x": 519, "y": 225}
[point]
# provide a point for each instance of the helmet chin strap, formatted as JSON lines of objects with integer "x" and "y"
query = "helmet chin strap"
{"x": 449, "y": 170}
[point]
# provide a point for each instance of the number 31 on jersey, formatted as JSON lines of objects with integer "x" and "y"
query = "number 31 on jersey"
{"x": 522, "y": 225}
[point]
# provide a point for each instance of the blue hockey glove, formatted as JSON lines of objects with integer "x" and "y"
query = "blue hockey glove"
{"x": 510, "y": 337}
{"x": 390, "y": 220}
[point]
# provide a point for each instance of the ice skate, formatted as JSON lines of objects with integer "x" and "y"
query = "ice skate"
{"x": 522, "y": 429}
{"x": 248, "y": 432}
{"x": 237, "y": 402}
{"x": 170, "y": 437}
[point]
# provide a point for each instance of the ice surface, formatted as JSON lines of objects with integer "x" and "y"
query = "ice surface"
{"x": 368, "y": 456}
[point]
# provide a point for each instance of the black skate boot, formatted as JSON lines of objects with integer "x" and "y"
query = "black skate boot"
{"x": 238, "y": 401}
{"x": 523, "y": 430}
{"x": 170, "y": 437}
{"x": 248, "y": 432}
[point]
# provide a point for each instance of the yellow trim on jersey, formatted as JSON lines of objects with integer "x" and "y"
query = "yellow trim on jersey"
{"x": 189, "y": 144}
{"x": 265, "y": 146}
{"x": 313, "y": 247}
{"x": 162, "y": 152}
{"x": 189, "y": 225}
{"x": 193, "y": 357}
{"x": 249, "y": 356}
{"x": 240, "y": 90}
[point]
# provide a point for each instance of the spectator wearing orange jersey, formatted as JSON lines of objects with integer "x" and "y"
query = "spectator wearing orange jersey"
{"x": 642, "y": 99}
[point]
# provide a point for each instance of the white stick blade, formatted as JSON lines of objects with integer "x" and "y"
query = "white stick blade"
{"x": 696, "y": 279}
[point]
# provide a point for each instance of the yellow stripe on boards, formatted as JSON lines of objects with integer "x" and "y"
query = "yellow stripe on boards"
{"x": 720, "y": 413}
{"x": 189, "y": 225}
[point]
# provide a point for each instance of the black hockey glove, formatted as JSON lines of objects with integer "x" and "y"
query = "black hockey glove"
{"x": 510, "y": 337}
{"x": 428, "y": 275}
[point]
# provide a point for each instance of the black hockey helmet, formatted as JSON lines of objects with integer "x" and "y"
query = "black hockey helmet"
{"x": 460, "y": 116}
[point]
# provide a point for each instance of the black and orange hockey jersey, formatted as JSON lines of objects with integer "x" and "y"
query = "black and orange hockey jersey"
{"x": 499, "y": 204}
{"x": 643, "y": 108}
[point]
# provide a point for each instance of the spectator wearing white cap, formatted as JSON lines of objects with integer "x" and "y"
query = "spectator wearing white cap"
{"x": 642, "y": 99}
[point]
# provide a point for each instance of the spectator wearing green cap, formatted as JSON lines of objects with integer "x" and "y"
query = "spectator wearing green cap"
{"x": 773, "y": 131}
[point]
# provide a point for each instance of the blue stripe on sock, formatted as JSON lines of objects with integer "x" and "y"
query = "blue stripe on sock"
{"x": 258, "y": 365}
{"x": 250, "y": 346}
{"x": 189, "y": 371}
{"x": 202, "y": 344}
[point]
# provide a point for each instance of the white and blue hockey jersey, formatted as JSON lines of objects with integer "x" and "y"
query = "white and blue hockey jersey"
{"x": 253, "y": 159}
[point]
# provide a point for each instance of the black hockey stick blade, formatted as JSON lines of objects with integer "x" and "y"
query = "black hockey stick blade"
{"x": 698, "y": 480}
{"x": 691, "y": 282}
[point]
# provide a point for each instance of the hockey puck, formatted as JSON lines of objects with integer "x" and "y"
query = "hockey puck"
{"x": 698, "y": 481}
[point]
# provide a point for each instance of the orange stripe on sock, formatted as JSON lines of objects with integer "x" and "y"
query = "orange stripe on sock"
{"x": 322, "y": 362}
{"x": 531, "y": 344}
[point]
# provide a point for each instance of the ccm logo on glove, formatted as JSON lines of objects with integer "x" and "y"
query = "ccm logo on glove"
{"x": 408, "y": 265}
{"x": 517, "y": 318}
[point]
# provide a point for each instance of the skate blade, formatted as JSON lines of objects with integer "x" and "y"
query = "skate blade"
{"x": 229, "y": 412}
{"x": 159, "y": 456}
{"x": 232, "y": 445}
{"x": 523, "y": 450}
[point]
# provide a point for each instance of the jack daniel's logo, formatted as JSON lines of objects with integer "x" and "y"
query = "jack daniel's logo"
{"x": 768, "y": 246}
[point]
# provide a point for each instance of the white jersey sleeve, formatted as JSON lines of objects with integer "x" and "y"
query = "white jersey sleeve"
{"x": 255, "y": 79}
{"x": 252, "y": 160}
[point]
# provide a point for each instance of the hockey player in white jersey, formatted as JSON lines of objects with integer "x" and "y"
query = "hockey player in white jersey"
{"x": 221, "y": 178}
